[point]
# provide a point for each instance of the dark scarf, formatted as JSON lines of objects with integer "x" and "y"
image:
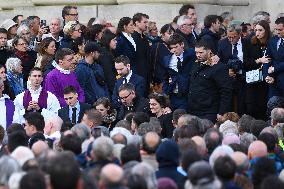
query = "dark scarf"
{"x": 42, "y": 100}
{"x": 23, "y": 56}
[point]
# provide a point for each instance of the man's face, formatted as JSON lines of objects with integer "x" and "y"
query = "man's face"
{"x": 192, "y": 14}
{"x": 54, "y": 26}
{"x": 87, "y": 121}
{"x": 216, "y": 26}
{"x": 121, "y": 69}
{"x": 126, "y": 97}
{"x": 202, "y": 54}
{"x": 72, "y": 15}
{"x": 36, "y": 25}
{"x": 71, "y": 99}
{"x": 177, "y": 49}
{"x": 30, "y": 129}
{"x": 36, "y": 78}
{"x": 3, "y": 39}
{"x": 187, "y": 27}
{"x": 143, "y": 24}
{"x": 66, "y": 62}
{"x": 233, "y": 37}
{"x": 279, "y": 30}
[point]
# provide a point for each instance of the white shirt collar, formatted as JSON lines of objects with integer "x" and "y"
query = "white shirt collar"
{"x": 4, "y": 96}
{"x": 130, "y": 39}
{"x": 54, "y": 63}
{"x": 36, "y": 91}
{"x": 129, "y": 75}
{"x": 66, "y": 72}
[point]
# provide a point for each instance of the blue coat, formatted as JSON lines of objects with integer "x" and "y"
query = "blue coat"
{"x": 124, "y": 47}
{"x": 138, "y": 82}
{"x": 211, "y": 38}
{"x": 91, "y": 79}
{"x": 277, "y": 89}
{"x": 180, "y": 78}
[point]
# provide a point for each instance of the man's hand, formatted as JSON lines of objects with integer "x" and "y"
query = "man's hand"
{"x": 269, "y": 80}
{"x": 167, "y": 110}
{"x": 270, "y": 70}
{"x": 263, "y": 60}
{"x": 214, "y": 60}
{"x": 232, "y": 73}
{"x": 31, "y": 106}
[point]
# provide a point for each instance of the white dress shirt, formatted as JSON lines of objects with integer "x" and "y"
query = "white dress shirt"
{"x": 174, "y": 60}
{"x": 240, "y": 50}
{"x": 3, "y": 111}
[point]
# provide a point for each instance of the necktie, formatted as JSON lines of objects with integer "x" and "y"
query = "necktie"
{"x": 281, "y": 45}
{"x": 124, "y": 80}
{"x": 179, "y": 64}
{"x": 235, "y": 51}
{"x": 74, "y": 115}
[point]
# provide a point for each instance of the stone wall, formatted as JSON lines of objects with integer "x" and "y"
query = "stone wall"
{"x": 161, "y": 11}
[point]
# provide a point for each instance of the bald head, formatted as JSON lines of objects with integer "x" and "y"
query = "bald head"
{"x": 150, "y": 142}
{"x": 119, "y": 139}
{"x": 111, "y": 176}
{"x": 39, "y": 147}
{"x": 257, "y": 149}
{"x": 200, "y": 143}
{"x": 52, "y": 124}
{"x": 241, "y": 160}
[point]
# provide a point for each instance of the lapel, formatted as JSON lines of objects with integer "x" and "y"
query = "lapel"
{"x": 66, "y": 113}
{"x": 128, "y": 42}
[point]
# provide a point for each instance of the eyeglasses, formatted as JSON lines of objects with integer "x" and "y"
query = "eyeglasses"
{"x": 73, "y": 14}
{"x": 124, "y": 98}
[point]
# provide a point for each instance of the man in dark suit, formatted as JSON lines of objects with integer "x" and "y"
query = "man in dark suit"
{"x": 178, "y": 66}
{"x": 185, "y": 29}
{"x": 231, "y": 51}
{"x": 122, "y": 66}
{"x": 130, "y": 102}
{"x": 74, "y": 111}
{"x": 274, "y": 71}
{"x": 189, "y": 10}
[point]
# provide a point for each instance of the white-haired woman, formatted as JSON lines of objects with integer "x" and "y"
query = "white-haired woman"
{"x": 14, "y": 75}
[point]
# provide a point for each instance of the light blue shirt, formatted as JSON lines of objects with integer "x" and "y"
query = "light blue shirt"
{"x": 77, "y": 111}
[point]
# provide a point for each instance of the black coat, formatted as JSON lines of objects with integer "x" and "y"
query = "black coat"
{"x": 210, "y": 90}
{"x": 188, "y": 40}
{"x": 211, "y": 38}
{"x": 4, "y": 55}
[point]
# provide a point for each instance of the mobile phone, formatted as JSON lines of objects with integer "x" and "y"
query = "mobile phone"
{"x": 42, "y": 23}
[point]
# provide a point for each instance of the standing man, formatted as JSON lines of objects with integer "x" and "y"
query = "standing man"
{"x": 185, "y": 28}
{"x": 274, "y": 71}
{"x": 122, "y": 66}
{"x": 142, "y": 63}
{"x": 35, "y": 99}
{"x": 55, "y": 28}
{"x": 5, "y": 53}
{"x": 210, "y": 34}
{"x": 210, "y": 91}
{"x": 189, "y": 10}
{"x": 91, "y": 74}
{"x": 61, "y": 76}
{"x": 74, "y": 111}
{"x": 69, "y": 13}
{"x": 178, "y": 66}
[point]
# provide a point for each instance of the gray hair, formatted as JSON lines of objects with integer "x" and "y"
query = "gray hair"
{"x": 60, "y": 21}
{"x": 257, "y": 18}
{"x": 82, "y": 131}
{"x": 7, "y": 168}
{"x": 277, "y": 114}
{"x": 235, "y": 27}
{"x": 145, "y": 170}
{"x": 226, "y": 15}
{"x": 21, "y": 28}
{"x": 56, "y": 121}
{"x": 12, "y": 64}
{"x": 103, "y": 148}
{"x": 181, "y": 20}
{"x": 220, "y": 151}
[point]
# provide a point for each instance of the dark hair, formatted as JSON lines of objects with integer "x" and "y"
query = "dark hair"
{"x": 272, "y": 181}
{"x": 2, "y": 134}
{"x": 225, "y": 168}
{"x": 126, "y": 86}
{"x": 257, "y": 126}
{"x": 72, "y": 143}
{"x": 175, "y": 39}
{"x": 135, "y": 181}
{"x": 33, "y": 180}
{"x": 107, "y": 37}
{"x": 3, "y": 30}
{"x": 129, "y": 153}
{"x": 124, "y": 21}
{"x": 35, "y": 119}
{"x": 161, "y": 99}
{"x": 185, "y": 131}
{"x": 105, "y": 102}
{"x": 66, "y": 10}
{"x": 244, "y": 123}
{"x": 91, "y": 21}
{"x": 16, "y": 18}
{"x": 93, "y": 31}
{"x": 95, "y": 116}
{"x": 63, "y": 165}
{"x": 269, "y": 140}
{"x": 184, "y": 9}
{"x": 140, "y": 117}
{"x": 61, "y": 53}
{"x": 188, "y": 158}
{"x": 78, "y": 41}
{"x": 122, "y": 59}
{"x": 15, "y": 127}
{"x": 35, "y": 69}
{"x": 17, "y": 138}
{"x": 204, "y": 44}
{"x": 16, "y": 40}
{"x": 279, "y": 20}
{"x": 69, "y": 89}
{"x": 267, "y": 33}
{"x": 165, "y": 28}
{"x": 210, "y": 19}
{"x": 177, "y": 114}
{"x": 139, "y": 16}
{"x": 42, "y": 51}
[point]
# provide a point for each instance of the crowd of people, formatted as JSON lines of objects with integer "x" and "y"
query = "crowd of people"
{"x": 200, "y": 106}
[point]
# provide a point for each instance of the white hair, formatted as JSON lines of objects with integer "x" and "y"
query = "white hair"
{"x": 12, "y": 64}
{"x": 220, "y": 151}
{"x": 22, "y": 154}
{"x": 145, "y": 170}
{"x": 21, "y": 28}
{"x": 181, "y": 20}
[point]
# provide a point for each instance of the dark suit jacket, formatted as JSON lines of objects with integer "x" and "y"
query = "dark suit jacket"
{"x": 211, "y": 38}
{"x": 138, "y": 82}
{"x": 63, "y": 113}
{"x": 188, "y": 40}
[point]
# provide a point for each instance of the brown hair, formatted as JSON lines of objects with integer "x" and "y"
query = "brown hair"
{"x": 267, "y": 34}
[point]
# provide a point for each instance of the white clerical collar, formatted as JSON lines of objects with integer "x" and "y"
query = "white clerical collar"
{"x": 129, "y": 75}
{"x": 4, "y": 96}
{"x": 54, "y": 63}
{"x": 35, "y": 91}
{"x": 66, "y": 72}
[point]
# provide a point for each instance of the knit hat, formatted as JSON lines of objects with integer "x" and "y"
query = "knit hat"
{"x": 7, "y": 24}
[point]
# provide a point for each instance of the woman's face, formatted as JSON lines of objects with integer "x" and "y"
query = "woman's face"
{"x": 154, "y": 32}
{"x": 103, "y": 110}
{"x": 259, "y": 31}
{"x": 77, "y": 32}
{"x": 3, "y": 74}
{"x": 155, "y": 107}
{"x": 51, "y": 48}
{"x": 112, "y": 44}
{"x": 19, "y": 69}
{"x": 81, "y": 49}
{"x": 129, "y": 28}
{"x": 21, "y": 46}
{"x": 99, "y": 36}
{"x": 166, "y": 36}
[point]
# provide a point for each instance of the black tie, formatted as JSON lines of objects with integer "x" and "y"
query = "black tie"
{"x": 281, "y": 45}
{"x": 179, "y": 64}
{"x": 235, "y": 51}
{"x": 124, "y": 80}
{"x": 74, "y": 115}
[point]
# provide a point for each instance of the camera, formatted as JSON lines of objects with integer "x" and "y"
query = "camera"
{"x": 236, "y": 65}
